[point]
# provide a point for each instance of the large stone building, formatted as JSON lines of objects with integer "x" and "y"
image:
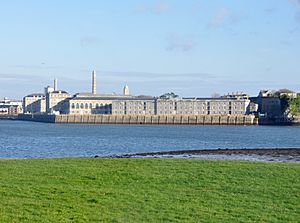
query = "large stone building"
{"x": 56, "y": 101}
{"x": 87, "y": 103}
{"x": 182, "y": 106}
{"x": 34, "y": 103}
{"x": 286, "y": 92}
{"x": 140, "y": 105}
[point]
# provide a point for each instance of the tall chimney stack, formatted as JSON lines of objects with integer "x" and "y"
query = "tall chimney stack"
{"x": 94, "y": 91}
{"x": 55, "y": 84}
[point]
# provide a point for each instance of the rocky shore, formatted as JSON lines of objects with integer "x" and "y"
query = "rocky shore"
{"x": 263, "y": 154}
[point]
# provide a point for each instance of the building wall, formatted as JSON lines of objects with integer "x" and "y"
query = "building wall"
{"x": 8, "y": 107}
{"x": 270, "y": 106}
{"x": 91, "y": 106}
{"x": 133, "y": 107}
{"x": 55, "y": 100}
{"x": 181, "y": 107}
{"x": 140, "y": 106}
{"x": 202, "y": 106}
{"x": 34, "y": 104}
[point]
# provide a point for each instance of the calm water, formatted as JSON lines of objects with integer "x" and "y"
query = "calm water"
{"x": 29, "y": 139}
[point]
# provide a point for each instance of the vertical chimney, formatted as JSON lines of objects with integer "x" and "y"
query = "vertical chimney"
{"x": 94, "y": 82}
{"x": 55, "y": 84}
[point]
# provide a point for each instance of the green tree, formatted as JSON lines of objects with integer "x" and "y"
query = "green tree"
{"x": 169, "y": 95}
{"x": 294, "y": 106}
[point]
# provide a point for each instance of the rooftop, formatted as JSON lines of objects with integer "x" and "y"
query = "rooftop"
{"x": 284, "y": 90}
{"x": 36, "y": 95}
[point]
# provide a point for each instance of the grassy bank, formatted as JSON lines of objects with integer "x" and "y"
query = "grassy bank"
{"x": 148, "y": 190}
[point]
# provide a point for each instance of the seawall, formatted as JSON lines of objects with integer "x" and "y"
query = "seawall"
{"x": 8, "y": 117}
{"x": 145, "y": 119}
{"x": 37, "y": 118}
{"x": 279, "y": 121}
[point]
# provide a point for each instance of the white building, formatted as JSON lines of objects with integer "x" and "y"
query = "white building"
{"x": 34, "y": 103}
{"x": 10, "y": 107}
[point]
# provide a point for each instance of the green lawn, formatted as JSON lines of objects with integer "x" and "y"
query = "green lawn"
{"x": 148, "y": 190}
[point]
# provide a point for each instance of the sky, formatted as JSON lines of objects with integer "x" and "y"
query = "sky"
{"x": 191, "y": 47}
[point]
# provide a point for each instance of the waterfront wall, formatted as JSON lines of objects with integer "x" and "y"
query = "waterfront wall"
{"x": 146, "y": 119}
{"x": 279, "y": 121}
{"x": 37, "y": 118}
{"x": 8, "y": 117}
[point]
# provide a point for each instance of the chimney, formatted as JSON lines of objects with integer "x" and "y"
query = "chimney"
{"x": 55, "y": 84}
{"x": 94, "y": 82}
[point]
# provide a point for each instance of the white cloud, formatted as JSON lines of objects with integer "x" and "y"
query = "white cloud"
{"x": 157, "y": 9}
{"x": 224, "y": 16}
{"x": 177, "y": 43}
{"x": 219, "y": 18}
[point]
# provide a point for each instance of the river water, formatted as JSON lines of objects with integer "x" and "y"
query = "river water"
{"x": 20, "y": 139}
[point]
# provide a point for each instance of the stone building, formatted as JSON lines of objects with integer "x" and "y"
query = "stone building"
{"x": 34, "y": 103}
{"x": 56, "y": 101}
{"x": 269, "y": 106}
{"x": 286, "y": 92}
{"x": 202, "y": 106}
{"x": 10, "y": 107}
{"x": 140, "y": 105}
{"x": 89, "y": 103}
{"x": 181, "y": 106}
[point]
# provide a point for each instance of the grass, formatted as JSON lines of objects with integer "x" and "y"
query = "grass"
{"x": 148, "y": 190}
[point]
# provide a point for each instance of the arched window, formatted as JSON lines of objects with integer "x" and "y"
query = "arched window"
{"x": 97, "y": 105}
{"x": 77, "y": 106}
{"x": 86, "y": 105}
{"x": 91, "y": 105}
{"x": 81, "y": 106}
{"x": 73, "y": 105}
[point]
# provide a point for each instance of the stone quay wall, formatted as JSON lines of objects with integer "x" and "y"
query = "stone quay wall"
{"x": 37, "y": 118}
{"x": 146, "y": 119}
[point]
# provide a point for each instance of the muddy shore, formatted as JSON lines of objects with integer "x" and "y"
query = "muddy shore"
{"x": 263, "y": 154}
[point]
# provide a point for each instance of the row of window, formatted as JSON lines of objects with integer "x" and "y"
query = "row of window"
{"x": 90, "y": 106}
{"x": 198, "y": 108}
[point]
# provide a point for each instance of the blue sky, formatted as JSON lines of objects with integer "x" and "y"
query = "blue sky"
{"x": 193, "y": 48}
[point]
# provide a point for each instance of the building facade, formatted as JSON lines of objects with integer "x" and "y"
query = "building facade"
{"x": 10, "y": 107}
{"x": 134, "y": 106}
{"x": 55, "y": 101}
{"x": 183, "y": 106}
{"x": 34, "y": 103}
{"x": 61, "y": 102}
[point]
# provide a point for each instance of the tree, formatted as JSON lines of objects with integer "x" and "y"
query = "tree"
{"x": 294, "y": 106}
{"x": 169, "y": 95}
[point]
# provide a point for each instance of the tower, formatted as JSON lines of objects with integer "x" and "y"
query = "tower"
{"x": 94, "y": 82}
{"x": 126, "y": 90}
{"x": 55, "y": 84}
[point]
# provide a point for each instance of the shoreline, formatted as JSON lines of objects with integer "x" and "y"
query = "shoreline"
{"x": 263, "y": 154}
{"x": 254, "y": 154}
